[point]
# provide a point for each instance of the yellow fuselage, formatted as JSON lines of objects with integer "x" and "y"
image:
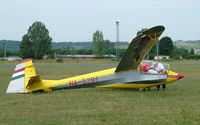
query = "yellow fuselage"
{"x": 48, "y": 85}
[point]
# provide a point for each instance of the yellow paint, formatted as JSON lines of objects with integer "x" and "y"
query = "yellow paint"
{"x": 29, "y": 72}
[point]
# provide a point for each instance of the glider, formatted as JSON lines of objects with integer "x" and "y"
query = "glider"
{"x": 131, "y": 72}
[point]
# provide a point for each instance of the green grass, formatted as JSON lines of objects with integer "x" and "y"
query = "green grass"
{"x": 178, "y": 104}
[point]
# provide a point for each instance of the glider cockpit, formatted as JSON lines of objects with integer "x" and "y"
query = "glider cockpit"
{"x": 153, "y": 67}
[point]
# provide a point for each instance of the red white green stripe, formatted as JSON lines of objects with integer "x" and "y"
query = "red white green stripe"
{"x": 17, "y": 83}
{"x": 18, "y": 74}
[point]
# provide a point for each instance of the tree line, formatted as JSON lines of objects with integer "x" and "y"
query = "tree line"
{"x": 37, "y": 43}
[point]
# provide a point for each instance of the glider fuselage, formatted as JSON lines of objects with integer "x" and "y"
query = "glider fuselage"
{"x": 107, "y": 79}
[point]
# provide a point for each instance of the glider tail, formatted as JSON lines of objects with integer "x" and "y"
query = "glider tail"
{"x": 24, "y": 72}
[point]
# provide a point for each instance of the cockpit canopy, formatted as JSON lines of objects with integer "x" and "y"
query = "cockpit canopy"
{"x": 153, "y": 67}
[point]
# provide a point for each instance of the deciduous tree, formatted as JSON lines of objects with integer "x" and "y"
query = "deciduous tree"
{"x": 37, "y": 42}
{"x": 26, "y": 47}
{"x": 98, "y": 43}
{"x": 165, "y": 46}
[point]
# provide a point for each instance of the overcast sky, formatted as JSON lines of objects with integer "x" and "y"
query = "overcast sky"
{"x": 77, "y": 20}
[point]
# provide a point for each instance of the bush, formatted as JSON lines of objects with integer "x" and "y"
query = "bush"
{"x": 193, "y": 57}
{"x": 51, "y": 56}
{"x": 114, "y": 59}
{"x": 59, "y": 60}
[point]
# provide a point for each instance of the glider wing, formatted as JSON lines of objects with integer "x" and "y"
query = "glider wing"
{"x": 138, "y": 48}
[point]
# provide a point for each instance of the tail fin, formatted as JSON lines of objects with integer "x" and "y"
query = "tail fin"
{"x": 24, "y": 71}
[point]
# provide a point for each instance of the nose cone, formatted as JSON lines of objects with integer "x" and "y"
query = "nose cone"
{"x": 180, "y": 76}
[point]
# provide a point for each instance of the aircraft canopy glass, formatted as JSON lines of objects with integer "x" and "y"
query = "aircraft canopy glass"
{"x": 153, "y": 67}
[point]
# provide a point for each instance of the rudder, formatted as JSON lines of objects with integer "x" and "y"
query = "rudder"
{"x": 20, "y": 78}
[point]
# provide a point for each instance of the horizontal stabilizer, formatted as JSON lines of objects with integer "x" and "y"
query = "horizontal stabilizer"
{"x": 33, "y": 79}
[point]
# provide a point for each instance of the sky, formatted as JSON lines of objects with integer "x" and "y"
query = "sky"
{"x": 77, "y": 20}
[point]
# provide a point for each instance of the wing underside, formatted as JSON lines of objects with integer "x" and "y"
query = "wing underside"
{"x": 138, "y": 48}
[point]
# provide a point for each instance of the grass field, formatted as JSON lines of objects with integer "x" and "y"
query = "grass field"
{"x": 178, "y": 104}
